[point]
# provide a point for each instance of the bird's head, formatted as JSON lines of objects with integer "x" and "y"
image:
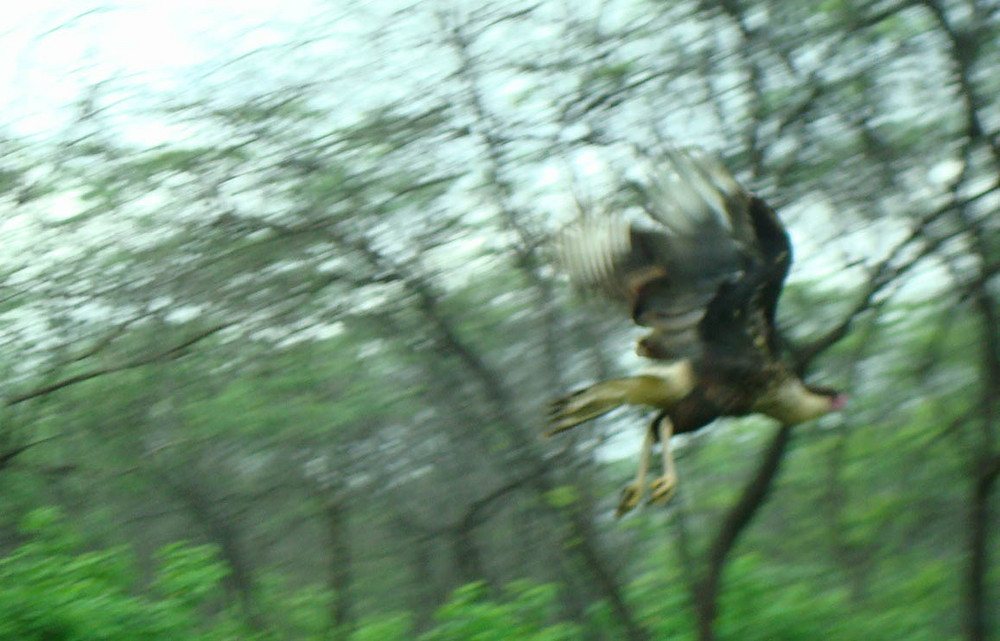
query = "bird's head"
{"x": 794, "y": 402}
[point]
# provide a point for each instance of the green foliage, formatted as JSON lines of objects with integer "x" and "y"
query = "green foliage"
{"x": 298, "y": 613}
{"x": 52, "y": 591}
{"x": 524, "y": 611}
{"x": 359, "y": 240}
{"x": 562, "y": 496}
{"x": 172, "y": 161}
{"x": 766, "y": 603}
{"x": 662, "y": 602}
{"x": 49, "y": 590}
{"x": 391, "y": 127}
{"x": 9, "y": 180}
{"x": 396, "y": 627}
{"x": 188, "y": 574}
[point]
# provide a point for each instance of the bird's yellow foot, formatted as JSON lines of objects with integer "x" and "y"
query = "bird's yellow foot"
{"x": 631, "y": 494}
{"x": 662, "y": 489}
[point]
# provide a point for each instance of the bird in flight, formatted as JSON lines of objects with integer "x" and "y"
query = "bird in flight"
{"x": 704, "y": 274}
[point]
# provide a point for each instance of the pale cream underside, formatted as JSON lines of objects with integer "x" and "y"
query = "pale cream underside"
{"x": 663, "y": 384}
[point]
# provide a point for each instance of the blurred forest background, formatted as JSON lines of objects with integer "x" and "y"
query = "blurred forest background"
{"x": 277, "y": 331}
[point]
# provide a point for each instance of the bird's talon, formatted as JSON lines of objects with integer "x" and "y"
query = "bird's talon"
{"x": 630, "y": 498}
{"x": 662, "y": 490}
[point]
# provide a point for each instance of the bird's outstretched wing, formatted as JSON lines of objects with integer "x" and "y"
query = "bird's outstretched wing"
{"x": 708, "y": 270}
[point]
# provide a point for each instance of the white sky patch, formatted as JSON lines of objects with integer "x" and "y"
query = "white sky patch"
{"x": 13, "y": 225}
{"x": 590, "y": 163}
{"x": 550, "y": 175}
{"x": 59, "y": 49}
{"x": 64, "y": 205}
{"x": 150, "y": 133}
{"x": 945, "y": 172}
{"x": 516, "y": 87}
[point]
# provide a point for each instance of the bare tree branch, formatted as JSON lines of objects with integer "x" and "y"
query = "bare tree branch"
{"x": 171, "y": 353}
{"x": 883, "y": 274}
{"x": 11, "y": 454}
{"x": 733, "y": 524}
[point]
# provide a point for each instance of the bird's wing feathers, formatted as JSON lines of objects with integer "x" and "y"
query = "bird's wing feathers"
{"x": 714, "y": 235}
{"x": 599, "y": 255}
{"x": 775, "y": 254}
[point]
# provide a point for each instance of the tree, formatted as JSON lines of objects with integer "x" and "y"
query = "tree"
{"x": 319, "y": 333}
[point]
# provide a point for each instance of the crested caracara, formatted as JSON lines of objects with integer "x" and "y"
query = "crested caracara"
{"x": 704, "y": 274}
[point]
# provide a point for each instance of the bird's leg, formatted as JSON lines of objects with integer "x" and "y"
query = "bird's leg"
{"x": 632, "y": 493}
{"x": 661, "y": 490}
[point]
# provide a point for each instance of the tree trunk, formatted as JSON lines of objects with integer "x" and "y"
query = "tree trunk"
{"x": 467, "y": 561}
{"x": 988, "y": 468}
{"x": 338, "y": 540}
{"x": 854, "y": 559}
{"x": 607, "y": 582}
{"x": 427, "y": 596}
{"x": 977, "y": 615}
{"x": 220, "y": 530}
{"x": 706, "y": 598}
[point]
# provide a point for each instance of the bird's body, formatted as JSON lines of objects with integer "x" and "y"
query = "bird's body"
{"x": 705, "y": 277}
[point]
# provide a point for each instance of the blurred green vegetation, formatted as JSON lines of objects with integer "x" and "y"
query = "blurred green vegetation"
{"x": 876, "y": 561}
{"x": 276, "y": 343}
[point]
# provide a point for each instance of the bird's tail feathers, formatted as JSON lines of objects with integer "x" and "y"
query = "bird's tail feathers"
{"x": 586, "y": 404}
{"x": 660, "y": 386}
{"x": 658, "y": 389}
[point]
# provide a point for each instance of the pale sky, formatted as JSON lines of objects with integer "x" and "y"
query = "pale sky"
{"x": 53, "y": 49}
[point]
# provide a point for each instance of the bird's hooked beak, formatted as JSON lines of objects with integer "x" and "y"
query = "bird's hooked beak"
{"x": 838, "y": 402}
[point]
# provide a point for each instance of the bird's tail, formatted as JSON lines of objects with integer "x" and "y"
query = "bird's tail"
{"x": 596, "y": 400}
{"x": 584, "y": 404}
{"x": 661, "y": 386}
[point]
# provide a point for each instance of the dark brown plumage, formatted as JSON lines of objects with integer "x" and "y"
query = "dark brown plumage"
{"x": 704, "y": 274}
